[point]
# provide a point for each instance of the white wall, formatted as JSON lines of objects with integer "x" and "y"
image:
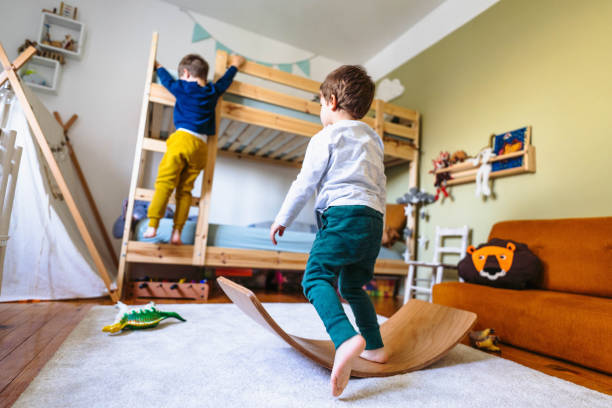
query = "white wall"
{"x": 105, "y": 89}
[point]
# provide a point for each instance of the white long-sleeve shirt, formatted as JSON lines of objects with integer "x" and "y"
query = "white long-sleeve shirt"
{"x": 344, "y": 162}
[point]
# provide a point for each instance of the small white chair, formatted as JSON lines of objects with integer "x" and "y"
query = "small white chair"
{"x": 411, "y": 287}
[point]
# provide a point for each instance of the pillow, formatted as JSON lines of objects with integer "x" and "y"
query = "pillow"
{"x": 395, "y": 222}
{"x": 501, "y": 263}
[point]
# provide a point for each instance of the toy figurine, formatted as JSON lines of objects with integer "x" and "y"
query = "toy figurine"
{"x": 485, "y": 340}
{"x": 441, "y": 162}
{"x": 141, "y": 318}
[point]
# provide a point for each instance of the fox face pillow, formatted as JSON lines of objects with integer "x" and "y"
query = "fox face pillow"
{"x": 501, "y": 263}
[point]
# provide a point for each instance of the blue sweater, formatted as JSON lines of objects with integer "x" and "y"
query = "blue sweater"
{"x": 195, "y": 105}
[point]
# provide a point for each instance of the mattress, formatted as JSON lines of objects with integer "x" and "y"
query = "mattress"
{"x": 233, "y": 236}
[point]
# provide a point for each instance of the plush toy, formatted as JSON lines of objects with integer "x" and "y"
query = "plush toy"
{"x": 501, "y": 263}
{"x": 482, "y": 175}
{"x": 441, "y": 162}
{"x": 458, "y": 157}
{"x": 141, "y": 318}
{"x": 485, "y": 340}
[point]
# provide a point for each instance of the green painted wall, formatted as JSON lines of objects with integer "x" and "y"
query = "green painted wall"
{"x": 545, "y": 63}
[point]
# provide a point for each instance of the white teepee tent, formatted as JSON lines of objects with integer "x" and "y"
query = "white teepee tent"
{"x": 47, "y": 257}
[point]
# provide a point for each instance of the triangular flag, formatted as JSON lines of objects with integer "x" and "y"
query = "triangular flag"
{"x": 222, "y": 47}
{"x": 304, "y": 66}
{"x": 264, "y": 63}
{"x": 199, "y": 33}
{"x": 285, "y": 67}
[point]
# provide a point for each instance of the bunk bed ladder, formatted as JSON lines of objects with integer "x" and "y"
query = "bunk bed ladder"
{"x": 150, "y": 122}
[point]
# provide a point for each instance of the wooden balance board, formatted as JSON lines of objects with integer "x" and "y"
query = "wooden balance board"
{"x": 417, "y": 335}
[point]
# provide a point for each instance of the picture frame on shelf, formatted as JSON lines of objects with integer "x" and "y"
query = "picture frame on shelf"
{"x": 509, "y": 142}
{"x": 66, "y": 10}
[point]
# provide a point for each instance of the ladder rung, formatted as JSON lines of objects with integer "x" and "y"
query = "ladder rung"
{"x": 153, "y": 145}
{"x": 146, "y": 194}
{"x": 159, "y": 94}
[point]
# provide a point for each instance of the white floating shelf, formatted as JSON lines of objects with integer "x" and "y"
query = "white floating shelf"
{"x": 55, "y": 28}
{"x": 45, "y": 75}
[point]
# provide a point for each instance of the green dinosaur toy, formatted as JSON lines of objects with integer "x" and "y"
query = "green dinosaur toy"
{"x": 141, "y": 318}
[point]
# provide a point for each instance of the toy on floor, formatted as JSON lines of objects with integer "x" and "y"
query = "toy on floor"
{"x": 482, "y": 176}
{"x": 484, "y": 340}
{"x": 142, "y": 318}
{"x": 441, "y": 162}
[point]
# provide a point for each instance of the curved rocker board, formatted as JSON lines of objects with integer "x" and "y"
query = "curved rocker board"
{"x": 417, "y": 335}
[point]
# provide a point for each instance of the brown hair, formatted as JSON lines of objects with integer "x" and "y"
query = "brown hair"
{"x": 195, "y": 65}
{"x": 352, "y": 87}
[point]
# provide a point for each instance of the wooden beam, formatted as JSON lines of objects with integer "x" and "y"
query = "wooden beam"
{"x": 159, "y": 94}
{"x": 267, "y": 119}
{"x": 138, "y": 164}
{"x": 400, "y": 130}
{"x": 145, "y": 252}
{"x": 277, "y": 98}
{"x": 276, "y": 75}
{"x": 145, "y": 194}
{"x": 401, "y": 112}
{"x": 153, "y": 145}
{"x": 250, "y": 157}
{"x": 39, "y": 135}
{"x": 399, "y": 149}
{"x": 379, "y": 120}
{"x": 18, "y": 63}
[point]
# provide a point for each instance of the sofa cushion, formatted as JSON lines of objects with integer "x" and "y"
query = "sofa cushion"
{"x": 568, "y": 326}
{"x": 576, "y": 253}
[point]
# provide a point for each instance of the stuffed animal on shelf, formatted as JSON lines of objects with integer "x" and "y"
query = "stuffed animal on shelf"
{"x": 458, "y": 157}
{"x": 142, "y": 318}
{"x": 484, "y": 340}
{"x": 439, "y": 163}
{"x": 484, "y": 171}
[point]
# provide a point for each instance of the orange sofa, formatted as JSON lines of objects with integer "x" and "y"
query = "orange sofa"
{"x": 569, "y": 315}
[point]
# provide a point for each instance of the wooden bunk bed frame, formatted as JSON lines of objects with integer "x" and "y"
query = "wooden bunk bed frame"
{"x": 241, "y": 130}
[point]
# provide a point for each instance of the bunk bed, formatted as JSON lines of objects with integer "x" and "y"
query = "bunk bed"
{"x": 253, "y": 123}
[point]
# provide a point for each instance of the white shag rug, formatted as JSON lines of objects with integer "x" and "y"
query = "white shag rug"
{"x": 221, "y": 358}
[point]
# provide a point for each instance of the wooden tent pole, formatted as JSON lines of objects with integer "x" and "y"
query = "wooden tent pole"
{"x": 81, "y": 175}
{"x": 16, "y": 85}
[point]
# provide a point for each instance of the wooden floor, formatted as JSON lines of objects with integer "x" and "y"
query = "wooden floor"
{"x": 30, "y": 333}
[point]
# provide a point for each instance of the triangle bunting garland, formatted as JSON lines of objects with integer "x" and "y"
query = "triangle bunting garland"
{"x": 200, "y": 34}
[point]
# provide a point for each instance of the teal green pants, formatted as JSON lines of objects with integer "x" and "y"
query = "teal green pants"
{"x": 344, "y": 251}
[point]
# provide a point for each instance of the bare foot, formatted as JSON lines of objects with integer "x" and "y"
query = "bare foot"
{"x": 150, "y": 232}
{"x": 343, "y": 363}
{"x": 378, "y": 355}
{"x": 176, "y": 237}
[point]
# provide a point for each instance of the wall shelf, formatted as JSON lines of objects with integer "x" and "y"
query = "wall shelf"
{"x": 465, "y": 172}
{"x": 55, "y": 28}
{"x": 45, "y": 75}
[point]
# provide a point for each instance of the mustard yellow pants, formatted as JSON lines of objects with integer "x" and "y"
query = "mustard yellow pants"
{"x": 183, "y": 161}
